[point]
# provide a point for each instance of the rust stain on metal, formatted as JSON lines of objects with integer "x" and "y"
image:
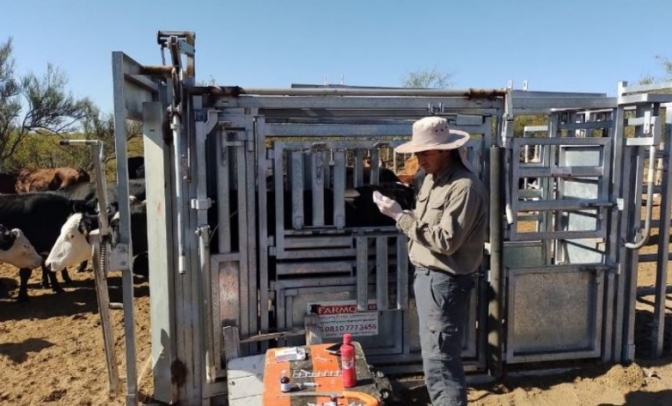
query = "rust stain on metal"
{"x": 178, "y": 373}
{"x": 156, "y": 70}
{"x": 484, "y": 93}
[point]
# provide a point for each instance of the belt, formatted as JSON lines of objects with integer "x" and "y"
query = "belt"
{"x": 454, "y": 275}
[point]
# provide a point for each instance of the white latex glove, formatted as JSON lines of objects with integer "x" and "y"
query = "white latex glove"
{"x": 387, "y": 206}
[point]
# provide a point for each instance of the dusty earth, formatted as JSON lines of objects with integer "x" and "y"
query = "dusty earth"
{"x": 51, "y": 353}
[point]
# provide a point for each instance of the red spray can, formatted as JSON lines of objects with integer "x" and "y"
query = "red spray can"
{"x": 348, "y": 362}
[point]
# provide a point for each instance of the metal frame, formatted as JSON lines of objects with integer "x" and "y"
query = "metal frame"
{"x": 200, "y": 142}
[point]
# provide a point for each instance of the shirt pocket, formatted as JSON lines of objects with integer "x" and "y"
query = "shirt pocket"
{"x": 436, "y": 206}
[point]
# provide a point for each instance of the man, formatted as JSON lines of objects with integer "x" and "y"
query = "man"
{"x": 446, "y": 231}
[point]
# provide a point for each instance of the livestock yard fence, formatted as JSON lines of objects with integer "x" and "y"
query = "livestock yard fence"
{"x": 253, "y": 242}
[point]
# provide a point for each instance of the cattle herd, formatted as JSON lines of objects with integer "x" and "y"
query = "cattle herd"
{"x": 46, "y": 217}
{"x": 37, "y": 205}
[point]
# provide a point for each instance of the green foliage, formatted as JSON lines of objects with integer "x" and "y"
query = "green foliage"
{"x": 427, "y": 79}
{"x": 50, "y": 110}
{"x": 667, "y": 68}
{"x": 204, "y": 83}
{"x": 30, "y": 135}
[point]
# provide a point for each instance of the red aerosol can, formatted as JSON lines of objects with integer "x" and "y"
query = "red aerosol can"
{"x": 348, "y": 362}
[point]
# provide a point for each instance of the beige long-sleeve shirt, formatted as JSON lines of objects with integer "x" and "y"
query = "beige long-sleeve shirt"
{"x": 447, "y": 230}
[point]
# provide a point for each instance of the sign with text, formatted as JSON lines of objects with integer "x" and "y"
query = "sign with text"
{"x": 338, "y": 318}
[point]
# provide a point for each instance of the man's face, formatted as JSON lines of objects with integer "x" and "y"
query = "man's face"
{"x": 433, "y": 161}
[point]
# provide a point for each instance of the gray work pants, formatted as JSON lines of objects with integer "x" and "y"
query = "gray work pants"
{"x": 443, "y": 303}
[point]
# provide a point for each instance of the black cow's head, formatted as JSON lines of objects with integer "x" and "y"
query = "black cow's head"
{"x": 365, "y": 212}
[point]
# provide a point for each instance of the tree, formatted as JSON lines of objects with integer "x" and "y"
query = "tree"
{"x": 427, "y": 79}
{"x": 100, "y": 126}
{"x": 205, "y": 83}
{"x": 667, "y": 67}
{"x": 50, "y": 110}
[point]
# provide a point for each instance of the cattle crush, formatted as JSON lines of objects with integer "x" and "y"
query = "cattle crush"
{"x": 257, "y": 239}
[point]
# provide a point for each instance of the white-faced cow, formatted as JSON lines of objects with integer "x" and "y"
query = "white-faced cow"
{"x": 73, "y": 245}
{"x": 40, "y": 217}
{"x": 16, "y": 249}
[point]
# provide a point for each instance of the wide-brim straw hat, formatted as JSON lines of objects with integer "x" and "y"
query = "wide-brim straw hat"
{"x": 434, "y": 133}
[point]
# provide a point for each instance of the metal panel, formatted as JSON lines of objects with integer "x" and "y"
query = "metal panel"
{"x": 581, "y": 201}
{"x": 130, "y": 94}
{"x": 245, "y": 380}
{"x": 586, "y": 188}
{"x": 554, "y": 313}
{"x": 160, "y": 241}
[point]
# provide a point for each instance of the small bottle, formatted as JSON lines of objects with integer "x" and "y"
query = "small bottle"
{"x": 348, "y": 362}
{"x": 285, "y": 385}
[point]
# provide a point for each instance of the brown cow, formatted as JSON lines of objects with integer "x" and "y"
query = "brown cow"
{"x": 38, "y": 180}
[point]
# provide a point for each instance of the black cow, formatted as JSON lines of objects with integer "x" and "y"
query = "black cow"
{"x": 40, "y": 216}
{"x": 136, "y": 167}
{"x": 8, "y": 183}
{"x": 88, "y": 191}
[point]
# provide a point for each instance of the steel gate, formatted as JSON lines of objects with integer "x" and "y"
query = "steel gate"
{"x": 237, "y": 180}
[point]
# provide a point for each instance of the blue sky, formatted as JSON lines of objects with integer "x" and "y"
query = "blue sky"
{"x": 567, "y": 45}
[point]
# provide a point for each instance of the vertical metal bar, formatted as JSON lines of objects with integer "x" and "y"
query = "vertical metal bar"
{"x": 362, "y": 270}
{"x": 633, "y": 258}
{"x": 203, "y": 232}
{"x": 514, "y": 192}
{"x": 297, "y": 190}
{"x": 382, "y": 268}
{"x": 627, "y": 223}
{"x": 179, "y": 159}
{"x": 160, "y": 250}
{"x": 658, "y": 327}
{"x": 250, "y": 182}
{"x": 223, "y": 193}
{"x": 604, "y": 183}
{"x": 545, "y": 222}
{"x": 279, "y": 193}
{"x": 260, "y": 140}
{"x": 317, "y": 183}
{"x": 339, "y": 189}
{"x": 375, "y": 166}
{"x": 402, "y": 272}
{"x": 358, "y": 168}
{"x": 560, "y": 245}
{"x": 243, "y": 240}
{"x": 607, "y": 217}
{"x": 103, "y": 296}
{"x": 497, "y": 277}
{"x": 120, "y": 143}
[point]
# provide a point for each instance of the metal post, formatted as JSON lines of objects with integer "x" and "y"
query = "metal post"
{"x": 658, "y": 325}
{"x": 99, "y": 243}
{"x": 497, "y": 278}
{"x": 120, "y": 143}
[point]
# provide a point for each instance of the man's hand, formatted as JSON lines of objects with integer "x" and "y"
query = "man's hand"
{"x": 387, "y": 206}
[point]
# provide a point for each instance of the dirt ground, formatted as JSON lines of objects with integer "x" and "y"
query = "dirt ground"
{"x": 51, "y": 353}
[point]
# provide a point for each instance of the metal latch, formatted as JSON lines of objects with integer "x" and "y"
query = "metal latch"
{"x": 201, "y": 204}
{"x": 620, "y": 203}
